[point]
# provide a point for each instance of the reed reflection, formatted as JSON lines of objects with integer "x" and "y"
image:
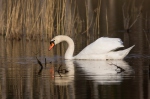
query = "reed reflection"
{"x": 65, "y": 78}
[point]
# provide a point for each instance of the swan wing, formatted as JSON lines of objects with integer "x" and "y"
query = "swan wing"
{"x": 101, "y": 46}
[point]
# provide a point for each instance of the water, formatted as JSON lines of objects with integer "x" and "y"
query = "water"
{"x": 22, "y": 76}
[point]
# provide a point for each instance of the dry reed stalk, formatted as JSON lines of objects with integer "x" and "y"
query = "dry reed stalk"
{"x": 29, "y": 18}
{"x": 106, "y": 22}
{"x": 48, "y": 18}
{"x": 147, "y": 38}
{"x": 67, "y": 16}
{"x": 70, "y": 18}
{"x": 8, "y": 27}
{"x": 127, "y": 17}
{"x": 22, "y": 18}
{"x": 99, "y": 8}
{"x": 34, "y": 24}
{"x": 4, "y": 17}
{"x": 15, "y": 28}
{"x": 57, "y": 17}
{"x": 146, "y": 30}
{"x": 2, "y": 23}
{"x": 78, "y": 24}
{"x": 89, "y": 21}
{"x": 96, "y": 28}
{"x": 8, "y": 15}
{"x": 63, "y": 16}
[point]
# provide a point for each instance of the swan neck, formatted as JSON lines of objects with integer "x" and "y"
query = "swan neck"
{"x": 70, "y": 49}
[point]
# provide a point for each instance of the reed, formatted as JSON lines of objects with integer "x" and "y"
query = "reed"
{"x": 20, "y": 19}
{"x": 107, "y": 22}
{"x": 96, "y": 26}
{"x": 42, "y": 19}
{"x": 129, "y": 16}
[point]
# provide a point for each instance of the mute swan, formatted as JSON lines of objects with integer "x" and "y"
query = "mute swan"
{"x": 103, "y": 48}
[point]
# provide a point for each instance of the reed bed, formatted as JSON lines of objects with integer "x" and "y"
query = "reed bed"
{"x": 38, "y": 19}
{"x": 42, "y": 19}
{"x": 31, "y": 19}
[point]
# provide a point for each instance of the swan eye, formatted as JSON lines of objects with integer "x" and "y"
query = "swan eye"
{"x": 52, "y": 42}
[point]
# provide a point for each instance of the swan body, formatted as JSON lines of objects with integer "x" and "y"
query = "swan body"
{"x": 103, "y": 48}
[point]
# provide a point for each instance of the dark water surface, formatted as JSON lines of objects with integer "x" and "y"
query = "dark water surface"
{"x": 22, "y": 77}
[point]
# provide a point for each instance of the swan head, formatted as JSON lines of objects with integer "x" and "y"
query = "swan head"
{"x": 54, "y": 41}
{"x": 68, "y": 40}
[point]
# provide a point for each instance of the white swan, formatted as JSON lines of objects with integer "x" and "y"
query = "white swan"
{"x": 103, "y": 48}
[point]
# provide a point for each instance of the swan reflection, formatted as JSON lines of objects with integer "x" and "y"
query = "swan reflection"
{"x": 65, "y": 78}
{"x": 103, "y": 72}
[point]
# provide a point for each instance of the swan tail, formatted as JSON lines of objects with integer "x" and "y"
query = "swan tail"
{"x": 125, "y": 52}
{"x": 119, "y": 54}
{"x": 128, "y": 49}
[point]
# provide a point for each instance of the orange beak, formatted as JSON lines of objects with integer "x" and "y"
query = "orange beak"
{"x": 51, "y": 46}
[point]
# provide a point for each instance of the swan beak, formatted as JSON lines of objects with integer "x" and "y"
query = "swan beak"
{"x": 51, "y": 46}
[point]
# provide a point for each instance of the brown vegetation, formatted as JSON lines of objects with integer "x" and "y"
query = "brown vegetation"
{"x": 30, "y": 19}
{"x": 41, "y": 19}
{"x": 134, "y": 13}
